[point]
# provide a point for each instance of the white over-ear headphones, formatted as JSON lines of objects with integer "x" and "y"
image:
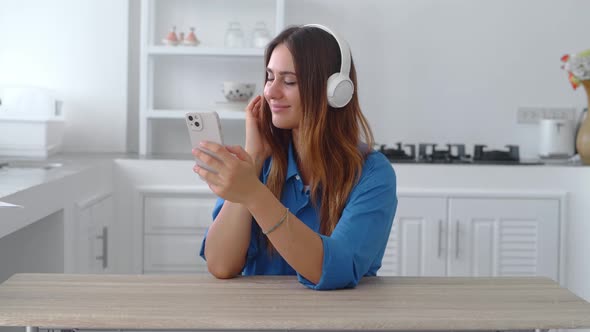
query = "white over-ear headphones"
{"x": 340, "y": 87}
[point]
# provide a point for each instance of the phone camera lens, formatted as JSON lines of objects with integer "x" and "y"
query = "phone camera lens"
{"x": 197, "y": 124}
{"x": 190, "y": 118}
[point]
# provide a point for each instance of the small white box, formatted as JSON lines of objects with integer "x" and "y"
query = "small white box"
{"x": 31, "y": 122}
{"x": 30, "y": 138}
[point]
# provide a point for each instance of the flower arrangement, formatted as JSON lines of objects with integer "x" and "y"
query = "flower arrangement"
{"x": 578, "y": 67}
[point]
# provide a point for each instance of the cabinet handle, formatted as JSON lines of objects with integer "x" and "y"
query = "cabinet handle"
{"x": 457, "y": 239}
{"x": 439, "y": 236}
{"x": 105, "y": 240}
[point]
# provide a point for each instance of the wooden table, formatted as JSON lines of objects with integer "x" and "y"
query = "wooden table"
{"x": 196, "y": 302}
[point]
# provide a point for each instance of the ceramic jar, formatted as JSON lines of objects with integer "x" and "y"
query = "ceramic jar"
{"x": 234, "y": 37}
{"x": 260, "y": 35}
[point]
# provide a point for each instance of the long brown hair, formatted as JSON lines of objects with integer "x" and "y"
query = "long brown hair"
{"x": 330, "y": 138}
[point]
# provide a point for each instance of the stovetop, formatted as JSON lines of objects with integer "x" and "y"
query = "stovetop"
{"x": 430, "y": 153}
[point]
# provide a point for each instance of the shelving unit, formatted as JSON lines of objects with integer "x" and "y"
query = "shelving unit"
{"x": 176, "y": 114}
{"x": 208, "y": 51}
{"x": 178, "y": 79}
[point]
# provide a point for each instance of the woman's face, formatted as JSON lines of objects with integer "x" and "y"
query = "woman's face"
{"x": 281, "y": 90}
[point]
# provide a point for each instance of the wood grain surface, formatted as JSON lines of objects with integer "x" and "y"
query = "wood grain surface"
{"x": 201, "y": 302}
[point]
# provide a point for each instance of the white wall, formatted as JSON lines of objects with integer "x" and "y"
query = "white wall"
{"x": 133, "y": 76}
{"x": 450, "y": 71}
{"x": 429, "y": 70}
{"x": 79, "y": 49}
{"x": 447, "y": 71}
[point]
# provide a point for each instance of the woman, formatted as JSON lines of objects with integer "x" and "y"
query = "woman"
{"x": 306, "y": 196}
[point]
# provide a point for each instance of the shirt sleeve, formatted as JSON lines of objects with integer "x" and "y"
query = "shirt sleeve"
{"x": 361, "y": 235}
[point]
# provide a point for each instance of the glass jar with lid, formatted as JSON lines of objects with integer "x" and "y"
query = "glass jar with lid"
{"x": 234, "y": 37}
{"x": 260, "y": 35}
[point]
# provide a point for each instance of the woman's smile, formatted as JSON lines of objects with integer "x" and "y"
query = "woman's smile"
{"x": 277, "y": 108}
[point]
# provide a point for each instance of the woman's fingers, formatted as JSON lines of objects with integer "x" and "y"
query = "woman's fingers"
{"x": 205, "y": 175}
{"x": 211, "y": 161}
{"x": 239, "y": 152}
{"x": 226, "y": 159}
{"x": 214, "y": 150}
{"x": 255, "y": 107}
{"x": 252, "y": 105}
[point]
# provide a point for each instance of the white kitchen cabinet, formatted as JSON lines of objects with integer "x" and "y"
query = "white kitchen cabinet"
{"x": 174, "y": 227}
{"x": 503, "y": 237}
{"x": 176, "y": 79}
{"x": 416, "y": 242}
{"x": 475, "y": 236}
{"x": 94, "y": 217}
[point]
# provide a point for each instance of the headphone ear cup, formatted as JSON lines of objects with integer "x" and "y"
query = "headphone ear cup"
{"x": 340, "y": 90}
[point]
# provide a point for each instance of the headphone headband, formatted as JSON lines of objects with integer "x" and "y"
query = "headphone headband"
{"x": 339, "y": 86}
{"x": 344, "y": 49}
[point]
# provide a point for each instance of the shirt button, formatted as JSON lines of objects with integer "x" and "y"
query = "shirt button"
{"x": 297, "y": 177}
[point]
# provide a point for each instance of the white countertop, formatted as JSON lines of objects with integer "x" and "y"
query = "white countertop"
{"x": 14, "y": 180}
{"x": 41, "y": 191}
{"x": 18, "y": 184}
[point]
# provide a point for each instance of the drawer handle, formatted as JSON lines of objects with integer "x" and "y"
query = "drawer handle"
{"x": 105, "y": 240}
{"x": 457, "y": 231}
{"x": 439, "y": 237}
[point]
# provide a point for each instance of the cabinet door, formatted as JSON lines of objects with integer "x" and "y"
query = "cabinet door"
{"x": 174, "y": 227}
{"x": 504, "y": 237}
{"x": 417, "y": 245}
{"x": 102, "y": 215}
{"x": 93, "y": 220}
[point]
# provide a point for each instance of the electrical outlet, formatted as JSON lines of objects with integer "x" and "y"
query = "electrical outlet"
{"x": 560, "y": 113}
{"x": 532, "y": 115}
{"x": 529, "y": 115}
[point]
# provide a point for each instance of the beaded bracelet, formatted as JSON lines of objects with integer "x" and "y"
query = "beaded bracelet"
{"x": 285, "y": 217}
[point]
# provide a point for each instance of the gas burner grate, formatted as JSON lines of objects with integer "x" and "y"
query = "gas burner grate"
{"x": 449, "y": 154}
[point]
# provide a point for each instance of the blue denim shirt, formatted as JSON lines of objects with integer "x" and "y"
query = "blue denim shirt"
{"x": 356, "y": 246}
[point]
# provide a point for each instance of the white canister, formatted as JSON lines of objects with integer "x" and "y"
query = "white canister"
{"x": 234, "y": 37}
{"x": 556, "y": 138}
{"x": 260, "y": 35}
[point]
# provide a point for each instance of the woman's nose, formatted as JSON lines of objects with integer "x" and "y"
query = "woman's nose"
{"x": 272, "y": 90}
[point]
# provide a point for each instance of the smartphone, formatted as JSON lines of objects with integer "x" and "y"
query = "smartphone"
{"x": 203, "y": 126}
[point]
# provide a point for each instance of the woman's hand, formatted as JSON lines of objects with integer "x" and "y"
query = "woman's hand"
{"x": 234, "y": 174}
{"x": 256, "y": 145}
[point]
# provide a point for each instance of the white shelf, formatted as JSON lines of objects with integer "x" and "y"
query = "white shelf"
{"x": 205, "y": 51}
{"x": 179, "y": 114}
{"x": 168, "y": 94}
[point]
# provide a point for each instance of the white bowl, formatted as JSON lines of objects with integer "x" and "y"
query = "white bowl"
{"x": 236, "y": 91}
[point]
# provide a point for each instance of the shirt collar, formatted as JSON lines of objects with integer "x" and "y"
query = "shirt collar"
{"x": 292, "y": 169}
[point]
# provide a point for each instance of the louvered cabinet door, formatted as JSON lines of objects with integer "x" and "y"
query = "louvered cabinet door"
{"x": 417, "y": 243}
{"x": 503, "y": 237}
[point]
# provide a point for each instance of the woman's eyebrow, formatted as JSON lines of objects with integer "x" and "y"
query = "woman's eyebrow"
{"x": 282, "y": 73}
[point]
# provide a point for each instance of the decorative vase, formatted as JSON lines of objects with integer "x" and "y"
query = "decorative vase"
{"x": 583, "y": 138}
{"x": 171, "y": 38}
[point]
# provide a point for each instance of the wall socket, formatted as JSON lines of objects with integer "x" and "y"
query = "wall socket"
{"x": 532, "y": 115}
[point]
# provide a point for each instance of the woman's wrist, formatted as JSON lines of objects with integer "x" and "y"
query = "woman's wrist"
{"x": 258, "y": 161}
{"x": 256, "y": 196}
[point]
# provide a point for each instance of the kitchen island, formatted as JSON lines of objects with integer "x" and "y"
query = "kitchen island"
{"x": 177, "y": 302}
